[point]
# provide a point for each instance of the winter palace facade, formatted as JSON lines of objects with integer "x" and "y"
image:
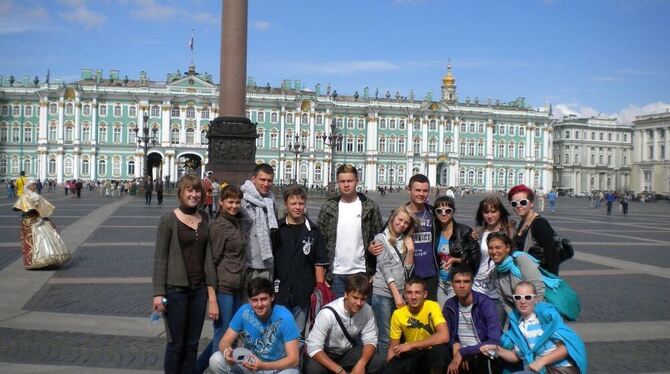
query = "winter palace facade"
{"x": 86, "y": 130}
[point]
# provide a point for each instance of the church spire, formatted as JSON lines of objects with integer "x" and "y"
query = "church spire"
{"x": 449, "y": 86}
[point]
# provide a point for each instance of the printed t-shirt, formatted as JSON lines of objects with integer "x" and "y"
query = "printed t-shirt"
{"x": 532, "y": 331}
{"x": 265, "y": 339}
{"x": 349, "y": 251}
{"x": 442, "y": 257}
{"x": 482, "y": 282}
{"x": 424, "y": 257}
{"x": 416, "y": 327}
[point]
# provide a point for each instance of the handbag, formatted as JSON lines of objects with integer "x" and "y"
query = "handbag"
{"x": 563, "y": 297}
{"x": 564, "y": 247}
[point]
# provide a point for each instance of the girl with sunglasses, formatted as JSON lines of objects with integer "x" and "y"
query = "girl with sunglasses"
{"x": 394, "y": 266}
{"x": 454, "y": 245}
{"x": 512, "y": 269}
{"x": 538, "y": 338}
{"x": 491, "y": 216}
{"x": 533, "y": 230}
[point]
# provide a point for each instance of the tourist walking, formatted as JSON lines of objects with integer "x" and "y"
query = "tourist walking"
{"x": 148, "y": 189}
{"x": 159, "y": 191}
{"x": 551, "y": 197}
{"x": 610, "y": 197}
{"x": 184, "y": 276}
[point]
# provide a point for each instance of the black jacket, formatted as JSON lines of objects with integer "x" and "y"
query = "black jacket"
{"x": 461, "y": 244}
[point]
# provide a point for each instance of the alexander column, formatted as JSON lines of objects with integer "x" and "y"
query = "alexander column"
{"x": 232, "y": 136}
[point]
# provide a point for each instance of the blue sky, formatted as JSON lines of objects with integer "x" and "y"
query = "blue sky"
{"x": 584, "y": 57}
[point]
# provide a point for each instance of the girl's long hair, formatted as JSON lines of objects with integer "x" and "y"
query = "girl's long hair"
{"x": 413, "y": 222}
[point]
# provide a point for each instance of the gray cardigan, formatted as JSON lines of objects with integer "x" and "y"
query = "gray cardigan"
{"x": 169, "y": 266}
{"x": 506, "y": 282}
{"x": 389, "y": 268}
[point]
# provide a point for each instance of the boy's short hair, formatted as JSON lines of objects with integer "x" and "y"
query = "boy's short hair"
{"x": 463, "y": 270}
{"x": 258, "y": 286}
{"x": 294, "y": 190}
{"x": 415, "y": 280}
{"x": 265, "y": 168}
{"x": 418, "y": 178}
{"x": 358, "y": 283}
{"x": 347, "y": 168}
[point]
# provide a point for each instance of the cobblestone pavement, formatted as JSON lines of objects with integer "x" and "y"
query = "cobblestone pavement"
{"x": 93, "y": 311}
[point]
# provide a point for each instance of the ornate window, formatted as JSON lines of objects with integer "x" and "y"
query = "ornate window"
{"x": 381, "y": 175}
{"x": 304, "y": 119}
{"x": 27, "y": 135}
{"x": 53, "y": 132}
{"x": 190, "y": 112}
{"x": 190, "y": 136}
{"x": 432, "y": 125}
{"x": 86, "y": 111}
{"x": 501, "y": 149}
{"x": 401, "y": 145}
{"x": 401, "y": 125}
{"x": 102, "y": 167}
{"x": 116, "y": 166}
{"x": 175, "y": 112}
{"x": 28, "y": 111}
{"x": 203, "y": 136}
{"x": 155, "y": 111}
{"x": 67, "y": 166}
{"x": 392, "y": 124}
{"x": 416, "y": 126}
{"x": 382, "y": 144}
{"x": 3, "y": 134}
{"x": 102, "y": 110}
{"x": 116, "y": 135}
{"x": 432, "y": 145}
{"x": 417, "y": 145}
{"x": 132, "y": 111}
{"x": 360, "y": 144}
{"x": 480, "y": 128}
{"x": 131, "y": 168}
{"x": 511, "y": 153}
{"x": 461, "y": 177}
{"x": 464, "y": 128}
{"x": 471, "y": 147}
{"x": 480, "y": 148}
{"x": 204, "y": 113}
{"x": 4, "y": 111}
{"x": 274, "y": 140}
{"x": 85, "y": 168}
{"x": 289, "y": 117}
{"x": 174, "y": 136}
{"x": 260, "y": 116}
{"x": 102, "y": 134}
{"x": 447, "y": 145}
{"x": 53, "y": 109}
{"x": 462, "y": 150}
{"x": 69, "y": 109}
{"x": 117, "y": 110}
{"x": 319, "y": 119}
{"x": 340, "y": 123}
{"x": 350, "y": 123}
{"x": 471, "y": 177}
{"x": 274, "y": 117}
{"x": 318, "y": 173}
{"x": 52, "y": 166}
{"x": 522, "y": 150}
{"x": 86, "y": 134}
{"x": 68, "y": 133}
{"x": 382, "y": 123}
{"x": 361, "y": 124}
{"x": 480, "y": 177}
{"x": 260, "y": 139}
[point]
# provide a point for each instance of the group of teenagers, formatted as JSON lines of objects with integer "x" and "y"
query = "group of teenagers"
{"x": 349, "y": 293}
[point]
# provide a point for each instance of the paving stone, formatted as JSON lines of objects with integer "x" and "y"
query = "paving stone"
{"x": 573, "y": 264}
{"x": 657, "y": 256}
{"x": 9, "y": 255}
{"x": 629, "y": 357}
{"x": 109, "y": 262}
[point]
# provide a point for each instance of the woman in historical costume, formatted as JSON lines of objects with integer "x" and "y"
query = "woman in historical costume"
{"x": 40, "y": 243}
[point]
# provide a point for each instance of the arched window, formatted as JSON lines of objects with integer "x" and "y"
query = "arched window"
{"x": 288, "y": 170}
{"x": 381, "y": 175}
{"x": 401, "y": 175}
{"x": 432, "y": 145}
{"x": 102, "y": 167}
{"x": 382, "y": 123}
{"x": 350, "y": 123}
{"x": 392, "y": 127}
{"x": 318, "y": 173}
{"x": 519, "y": 178}
{"x": 339, "y": 123}
{"x": 132, "y": 137}
{"x": 472, "y": 128}
{"x": 501, "y": 150}
{"x": 68, "y": 133}
{"x": 260, "y": 139}
{"x": 360, "y": 144}
{"x": 289, "y": 118}
{"x": 52, "y": 166}
{"x": 27, "y": 166}
{"x": 303, "y": 173}
{"x": 471, "y": 177}
{"x": 432, "y": 125}
{"x": 53, "y": 108}
{"x": 501, "y": 178}
{"x": 53, "y": 132}
{"x": 131, "y": 168}
{"x": 190, "y": 112}
{"x": 174, "y": 136}
{"x": 274, "y": 117}
{"x": 86, "y": 110}
{"x": 511, "y": 153}
{"x": 132, "y": 111}
{"x": 67, "y": 166}
{"x": 102, "y": 134}
{"x": 416, "y": 125}
{"x": 462, "y": 148}
{"x": 447, "y": 146}
{"x": 522, "y": 150}
{"x": 116, "y": 166}
{"x": 382, "y": 145}
{"x": 391, "y": 176}
{"x": 401, "y": 145}
{"x": 190, "y": 136}
{"x": 85, "y": 168}
{"x": 537, "y": 151}
{"x": 471, "y": 147}
{"x": 361, "y": 124}
{"x": 417, "y": 145}
{"x": 319, "y": 119}
{"x": 480, "y": 148}
{"x": 480, "y": 128}
{"x": 392, "y": 144}
{"x": 204, "y": 113}
{"x": 361, "y": 173}
{"x": 102, "y": 110}
{"x": 480, "y": 177}
{"x": 274, "y": 140}
{"x": 155, "y": 111}
{"x": 27, "y": 134}
{"x": 69, "y": 109}
{"x": 176, "y": 112}
{"x": 304, "y": 119}
{"x": 117, "y": 110}
{"x": 203, "y": 136}
{"x": 401, "y": 125}
{"x": 116, "y": 135}
{"x": 461, "y": 177}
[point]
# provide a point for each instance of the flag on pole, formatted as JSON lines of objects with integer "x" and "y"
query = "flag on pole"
{"x": 190, "y": 43}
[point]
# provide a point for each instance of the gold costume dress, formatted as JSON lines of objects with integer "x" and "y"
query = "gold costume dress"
{"x": 41, "y": 245}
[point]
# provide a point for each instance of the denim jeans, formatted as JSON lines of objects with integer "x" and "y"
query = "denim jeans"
{"x": 228, "y": 305}
{"x": 184, "y": 316}
{"x": 300, "y": 317}
{"x": 383, "y": 308}
{"x": 218, "y": 365}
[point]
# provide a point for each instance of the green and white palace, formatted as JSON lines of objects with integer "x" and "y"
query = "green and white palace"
{"x": 86, "y": 130}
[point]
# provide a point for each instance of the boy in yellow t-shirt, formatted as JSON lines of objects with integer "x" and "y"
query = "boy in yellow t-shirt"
{"x": 426, "y": 336}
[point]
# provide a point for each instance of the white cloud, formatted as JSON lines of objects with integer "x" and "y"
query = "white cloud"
{"x": 13, "y": 18}
{"x": 80, "y": 13}
{"x": 347, "y": 67}
{"x": 627, "y": 115}
{"x": 579, "y": 110}
{"x": 150, "y": 10}
{"x": 260, "y": 25}
{"x": 607, "y": 78}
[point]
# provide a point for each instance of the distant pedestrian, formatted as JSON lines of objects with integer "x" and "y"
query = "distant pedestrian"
{"x": 78, "y": 186}
{"x": 148, "y": 190}
{"x": 21, "y": 184}
{"x": 539, "y": 197}
{"x": 216, "y": 192}
{"x": 551, "y": 197}
{"x": 159, "y": 191}
{"x": 610, "y": 200}
{"x": 624, "y": 204}
{"x": 73, "y": 188}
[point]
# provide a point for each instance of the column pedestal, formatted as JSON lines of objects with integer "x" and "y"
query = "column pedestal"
{"x": 232, "y": 149}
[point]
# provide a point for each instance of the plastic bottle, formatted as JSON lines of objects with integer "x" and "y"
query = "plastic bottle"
{"x": 156, "y": 315}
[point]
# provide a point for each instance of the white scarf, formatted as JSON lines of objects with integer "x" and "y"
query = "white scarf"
{"x": 264, "y": 212}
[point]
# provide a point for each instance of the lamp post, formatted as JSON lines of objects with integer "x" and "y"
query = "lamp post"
{"x": 297, "y": 147}
{"x": 146, "y": 140}
{"x": 333, "y": 141}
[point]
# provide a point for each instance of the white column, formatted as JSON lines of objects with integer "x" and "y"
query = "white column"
{"x": 77, "y": 121}
{"x": 488, "y": 178}
{"x": 440, "y": 139}
{"x": 198, "y": 128}
{"x": 666, "y": 156}
{"x": 61, "y": 109}
{"x": 489, "y": 143}
{"x": 165, "y": 123}
{"x": 546, "y": 144}
{"x": 643, "y": 145}
{"x": 43, "y": 165}
{"x": 457, "y": 136}
{"x": 59, "y": 167}
{"x": 282, "y": 130}
{"x": 75, "y": 163}
{"x": 94, "y": 164}
{"x": 94, "y": 125}
{"x": 432, "y": 172}
{"x": 43, "y": 132}
{"x": 312, "y": 117}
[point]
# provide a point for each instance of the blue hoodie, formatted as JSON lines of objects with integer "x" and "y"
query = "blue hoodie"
{"x": 554, "y": 328}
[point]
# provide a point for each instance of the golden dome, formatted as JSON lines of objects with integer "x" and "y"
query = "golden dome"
{"x": 448, "y": 80}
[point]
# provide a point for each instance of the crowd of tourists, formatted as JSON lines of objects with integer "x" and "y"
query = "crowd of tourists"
{"x": 349, "y": 293}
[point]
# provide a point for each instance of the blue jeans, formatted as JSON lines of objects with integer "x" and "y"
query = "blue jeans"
{"x": 383, "y": 308}
{"x": 300, "y": 317}
{"x": 228, "y": 305}
{"x": 184, "y": 317}
{"x": 218, "y": 365}
{"x": 552, "y": 204}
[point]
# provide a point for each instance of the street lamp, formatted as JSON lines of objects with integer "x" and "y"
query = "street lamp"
{"x": 333, "y": 141}
{"x": 297, "y": 147}
{"x": 148, "y": 141}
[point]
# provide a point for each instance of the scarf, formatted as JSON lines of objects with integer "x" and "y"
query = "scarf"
{"x": 263, "y": 212}
{"x": 508, "y": 265}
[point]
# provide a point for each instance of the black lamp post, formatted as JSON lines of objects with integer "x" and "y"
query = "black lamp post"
{"x": 148, "y": 141}
{"x": 297, "y": 147}
{"x": 333, "y": 141}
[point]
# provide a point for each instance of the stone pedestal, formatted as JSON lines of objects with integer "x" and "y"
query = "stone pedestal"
{"x": 232, "y": 149}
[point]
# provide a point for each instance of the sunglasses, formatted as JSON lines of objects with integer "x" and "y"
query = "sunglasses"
{"x": 441, "y": 211}
{"x": 524, "y": 297}
{"x": 522, "y": 202}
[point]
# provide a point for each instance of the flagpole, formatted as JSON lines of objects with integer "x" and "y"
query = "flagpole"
{"x": 191, "y": 46}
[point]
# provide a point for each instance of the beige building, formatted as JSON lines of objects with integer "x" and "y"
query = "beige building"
{"x": 592, "y": 154}
{"x": 651, "y": 156}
